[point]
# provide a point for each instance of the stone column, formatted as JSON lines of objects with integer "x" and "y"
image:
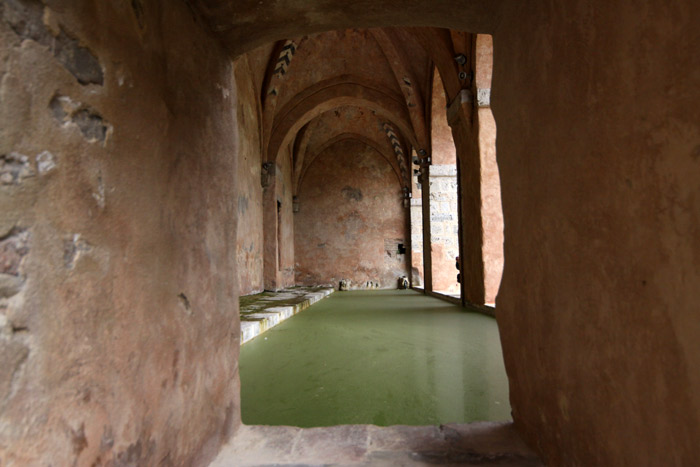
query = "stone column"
{"x": 464, "y": 123}
{"x": 427, "y": 256}
{"x": 270, "y": 256}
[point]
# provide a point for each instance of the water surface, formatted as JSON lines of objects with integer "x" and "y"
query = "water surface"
{"x": 385, "y": 357}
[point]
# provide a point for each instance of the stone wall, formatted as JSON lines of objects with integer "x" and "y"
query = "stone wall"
{"x": 597, "y": 106}
{"x": 350, "y": 220}
{"x": 118, "y": 310}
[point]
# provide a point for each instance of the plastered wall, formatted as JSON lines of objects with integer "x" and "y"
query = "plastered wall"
{"x": 350, "y": 220}
{"x": 118, "y": 319}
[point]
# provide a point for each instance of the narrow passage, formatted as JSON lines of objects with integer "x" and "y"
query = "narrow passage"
{"x": 387, "y": 357}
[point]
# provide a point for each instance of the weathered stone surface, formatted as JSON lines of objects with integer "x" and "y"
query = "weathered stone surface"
{"x": 26, "y": 18}
{"x": 100, "y": 364}
{"x": 469, "y": 444}
{"x": 14, "y": 169}
{"x": 13, "y": 248}
{"x": 14, "y": 355}
{"x": 45, "y": 162}
{"x": 89, "y": 121}
{"x": 9, "y": 285}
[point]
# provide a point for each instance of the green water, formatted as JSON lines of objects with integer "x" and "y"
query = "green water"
{"x": 377, "y": 357}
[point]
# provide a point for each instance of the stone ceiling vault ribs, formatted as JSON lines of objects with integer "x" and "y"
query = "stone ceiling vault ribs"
{"x": 280, "y": 61}
{"x": 407, "y": 82}
{"x": 438, "y": 43}
{"x": 333, "y": 93}
{"x": 398, "y": 151}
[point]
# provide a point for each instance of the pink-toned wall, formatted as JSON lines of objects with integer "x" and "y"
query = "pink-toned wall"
{"x": 597, "y": 105}
{"x": 350, "y": 220}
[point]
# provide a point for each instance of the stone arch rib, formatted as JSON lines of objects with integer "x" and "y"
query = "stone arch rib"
{"x": 330, "y": 94}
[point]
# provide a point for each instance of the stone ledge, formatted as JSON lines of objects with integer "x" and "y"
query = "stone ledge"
{"x": 480, "y": 443}
{"x": 263, "y": 311}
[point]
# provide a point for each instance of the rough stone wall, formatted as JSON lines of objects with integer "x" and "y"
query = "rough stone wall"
{"x": 118, "y": 319}
{"x": 597, "y": 105}
{"x": 351, "y": 219}
{"x": 249, "y": 247}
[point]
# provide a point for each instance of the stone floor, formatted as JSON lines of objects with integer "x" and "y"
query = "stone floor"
{"x": 262, "y": 311}
{"x": 482, "y": 443}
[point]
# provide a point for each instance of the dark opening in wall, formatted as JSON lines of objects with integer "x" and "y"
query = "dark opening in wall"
{"x": 279, "y": 235}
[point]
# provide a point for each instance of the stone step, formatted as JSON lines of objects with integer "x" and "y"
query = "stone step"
{"x": 265, "y": 312}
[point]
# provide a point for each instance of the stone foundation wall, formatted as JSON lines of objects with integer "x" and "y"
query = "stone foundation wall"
{"x": 118, "y": 307}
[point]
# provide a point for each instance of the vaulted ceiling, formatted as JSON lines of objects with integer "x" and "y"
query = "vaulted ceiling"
{"x": 370, "y": 85}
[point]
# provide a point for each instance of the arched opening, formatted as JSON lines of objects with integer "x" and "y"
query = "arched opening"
{"x": 131, "y": 157}
{"x": 443, "y": 197}
{"x": 353, "y": 127}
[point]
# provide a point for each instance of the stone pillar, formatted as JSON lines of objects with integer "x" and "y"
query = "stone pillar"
{"x": 416, "y": 235}
{"x": 270, "y": 246}
{"x": 427, "y": 256}
{"x": 491, "y": 210}
{"x": 464, "y": 123}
